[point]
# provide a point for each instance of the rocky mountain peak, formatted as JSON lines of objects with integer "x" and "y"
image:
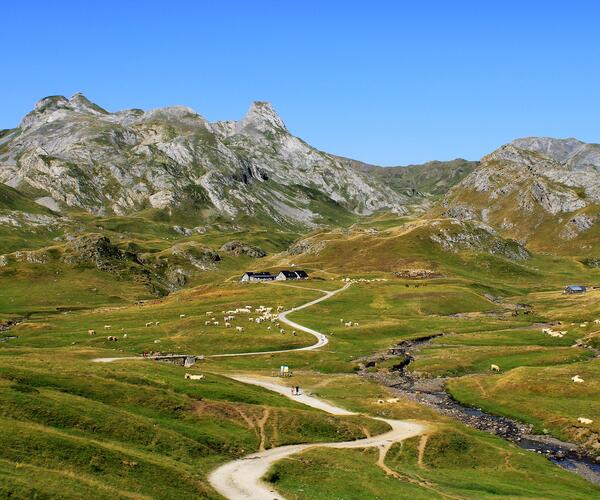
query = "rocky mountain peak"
{"x": 55, "y": 107}
{"x": 81, "y": 103}
{"x": 260, "y": 117}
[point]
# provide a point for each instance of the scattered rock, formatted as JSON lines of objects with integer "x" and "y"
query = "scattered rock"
{"x": 239, "y": 248}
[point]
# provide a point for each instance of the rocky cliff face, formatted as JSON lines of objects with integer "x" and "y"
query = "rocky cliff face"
{"x": 71, "y": 153}
{"x": 533, "y": 188}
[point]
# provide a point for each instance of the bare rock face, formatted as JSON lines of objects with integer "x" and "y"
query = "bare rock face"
{"x": 76, "y": 154}
{"x": 531, "y": 183}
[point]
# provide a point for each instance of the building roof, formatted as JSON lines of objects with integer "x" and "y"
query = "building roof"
{"x": 258, "y": 274}
{"x": 294, "y": 274}
{"x": 576, "y": 287}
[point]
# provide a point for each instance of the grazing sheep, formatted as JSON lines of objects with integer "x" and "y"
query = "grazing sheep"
{"x": 216, "y": 323}
{"x": 392, "y": 400}
{"x": 583, "y": 325}
{"x": 585, "y": 421}
{"x": 91, "y": 332}
{"x": 495, "y": 368}
{"x": 209, "y": 313}
{"x": 239, "y": 328}
{"x": 157, "y": 323}
{"x": 107, "y": 327}
{"x": 380, "y": 401}
{"x": 189, "y": 376}
{"x": 355, "y": 324}
{"x": 227, "y": 325}
{"x": 577, "y": 379}
{"x": 149, "y": 324}
{"x": 281, "y": 330}
{"x": 269, "y": 327}
{"x": 124, "y": 335}
{"x": 280, "y": 308}
{"x": 597, "y": 321}
{"x": 206, "y": 323}
{"x": 181, "y": 316}
{"x": 110, "y": 338}
{"x": 157, "y": 341}
{"x": 348, "y": 324}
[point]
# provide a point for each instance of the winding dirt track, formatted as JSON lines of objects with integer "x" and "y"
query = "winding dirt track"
{"x": 241, "y": 479}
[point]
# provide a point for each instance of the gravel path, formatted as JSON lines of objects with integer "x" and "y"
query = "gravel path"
{"x": 241, "y": 479}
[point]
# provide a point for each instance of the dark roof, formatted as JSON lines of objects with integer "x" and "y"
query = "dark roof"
{"x": 294, "y": 274}
{"x": 259, "y": 274}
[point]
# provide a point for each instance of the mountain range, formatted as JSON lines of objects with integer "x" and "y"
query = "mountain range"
{"x": 71, "y": 155}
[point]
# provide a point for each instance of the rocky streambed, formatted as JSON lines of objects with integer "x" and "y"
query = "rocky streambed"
{"x": 431, "y": 392}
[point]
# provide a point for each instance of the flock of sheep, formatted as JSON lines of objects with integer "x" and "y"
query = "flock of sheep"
{"x": 576, "y": 379}
{"x": 260, "y": 314}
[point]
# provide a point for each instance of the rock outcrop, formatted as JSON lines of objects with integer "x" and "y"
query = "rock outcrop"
{"x": 239, "y": 248}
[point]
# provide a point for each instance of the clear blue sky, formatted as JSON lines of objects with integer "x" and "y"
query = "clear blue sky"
{"x": 385, "y": 82}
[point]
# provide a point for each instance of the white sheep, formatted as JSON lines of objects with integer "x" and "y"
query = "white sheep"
{"x": 189, "y": 376}
{"x": 227, "y": 325}
{"x": 149, "y": 323}
{"x": 206, "y": 323}
{"x": 355, "y": 324}
{"x": 107, "y": 327}
{"x": 181, "y": 316}
{"x": 585, "y": 421}
{"x": 348, "y": 324}
{"x": 239, "y": 328}
{"x": 91, "y": 332}
{"x": 577, "y": 379}
{"x": 597, "y": 321}
{"x": 495, "y": 368}
{"x": 209, "y": 313}
{"x": 216, "y": 323}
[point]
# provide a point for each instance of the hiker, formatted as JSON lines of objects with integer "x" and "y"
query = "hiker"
{"x": 297, "y": 390}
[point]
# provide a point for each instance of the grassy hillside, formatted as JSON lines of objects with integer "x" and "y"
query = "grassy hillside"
{"x": 140, "y": 429}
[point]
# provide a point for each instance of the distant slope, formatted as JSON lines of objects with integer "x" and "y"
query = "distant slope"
{"x": 431, "y": 178}
{"x": 11, "y": 199}
{"x": 544, "y": 192}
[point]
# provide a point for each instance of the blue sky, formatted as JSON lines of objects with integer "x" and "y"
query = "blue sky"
{"x": 384, "y": 82}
